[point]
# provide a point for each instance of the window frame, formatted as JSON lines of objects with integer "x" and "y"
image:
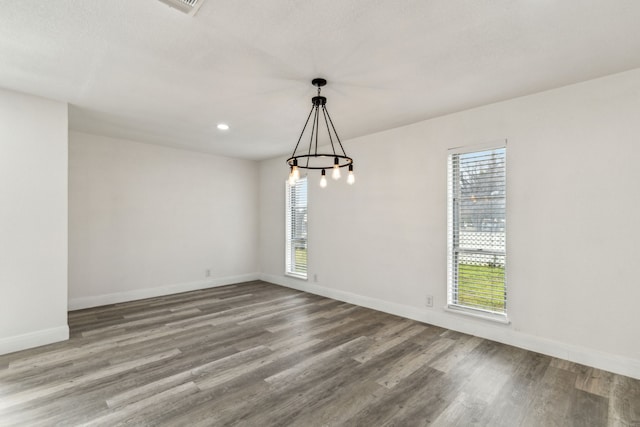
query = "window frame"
{"x": 454, "y": 233}
{"x": 291, "y": 264}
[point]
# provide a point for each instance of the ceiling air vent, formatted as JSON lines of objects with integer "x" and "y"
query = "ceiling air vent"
{"x": 187, "y": 6}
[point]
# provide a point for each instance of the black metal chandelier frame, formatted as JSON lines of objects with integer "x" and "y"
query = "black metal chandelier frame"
{"x": 318, "y": 112}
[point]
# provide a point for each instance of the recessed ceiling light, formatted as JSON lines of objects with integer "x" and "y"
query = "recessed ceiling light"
{"x": 223, "y": 126}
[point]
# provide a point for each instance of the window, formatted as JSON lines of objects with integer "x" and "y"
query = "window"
{"x": 476, "y": 232}
{"x": 296, "y": 239}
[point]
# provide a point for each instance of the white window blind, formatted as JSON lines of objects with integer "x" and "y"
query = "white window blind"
{"x": 477, "y": 231}
{"x": 296, "y": 229}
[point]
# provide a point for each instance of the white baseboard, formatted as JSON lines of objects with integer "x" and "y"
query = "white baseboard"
{"x": 117, "y": 297}
{"x": 481, "y": 328}
{"x": 33, "y": 339}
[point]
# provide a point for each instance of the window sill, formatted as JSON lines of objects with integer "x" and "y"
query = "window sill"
{"x": 296, "y": 276}
{"x": 492, "y": 317}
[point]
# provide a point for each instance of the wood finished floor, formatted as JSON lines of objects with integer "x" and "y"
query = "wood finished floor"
{"x": 257, "y": 354}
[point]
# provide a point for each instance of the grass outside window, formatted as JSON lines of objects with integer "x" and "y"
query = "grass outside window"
{"x": 481, "y": 286}
{"x": 301, "y": 256}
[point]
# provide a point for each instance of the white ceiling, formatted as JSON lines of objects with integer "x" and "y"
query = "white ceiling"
{"x": 140, "y": 70}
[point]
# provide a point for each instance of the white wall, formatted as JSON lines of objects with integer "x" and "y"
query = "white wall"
{"x": 573, "y": 203}
{"x": 33, "y": 221}
{"x": 147, "y": 220}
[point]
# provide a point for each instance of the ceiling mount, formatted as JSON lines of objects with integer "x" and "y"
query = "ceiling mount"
{"x": 318, "y": 82}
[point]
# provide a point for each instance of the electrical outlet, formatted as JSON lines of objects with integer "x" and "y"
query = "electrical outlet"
{"x": 207, "y": 273}
{"x": 429, "y": 301}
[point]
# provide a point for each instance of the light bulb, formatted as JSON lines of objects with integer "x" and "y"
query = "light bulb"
{"x": 323, "y": 179}
{"x": 295, "y": 172}
{"x": 336, "y": 169}
{"x": 336, "y": 173}
{"x": 351, "y": 178}
{"x": 292, "y": 180}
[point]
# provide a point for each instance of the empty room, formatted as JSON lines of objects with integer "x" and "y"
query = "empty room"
{"x": 336, "y": 213}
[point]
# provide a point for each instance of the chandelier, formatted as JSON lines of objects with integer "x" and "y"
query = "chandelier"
{"x": 310, "y": 158}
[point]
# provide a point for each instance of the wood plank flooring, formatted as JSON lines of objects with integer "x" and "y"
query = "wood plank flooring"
{"x": 257, "y": 354}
